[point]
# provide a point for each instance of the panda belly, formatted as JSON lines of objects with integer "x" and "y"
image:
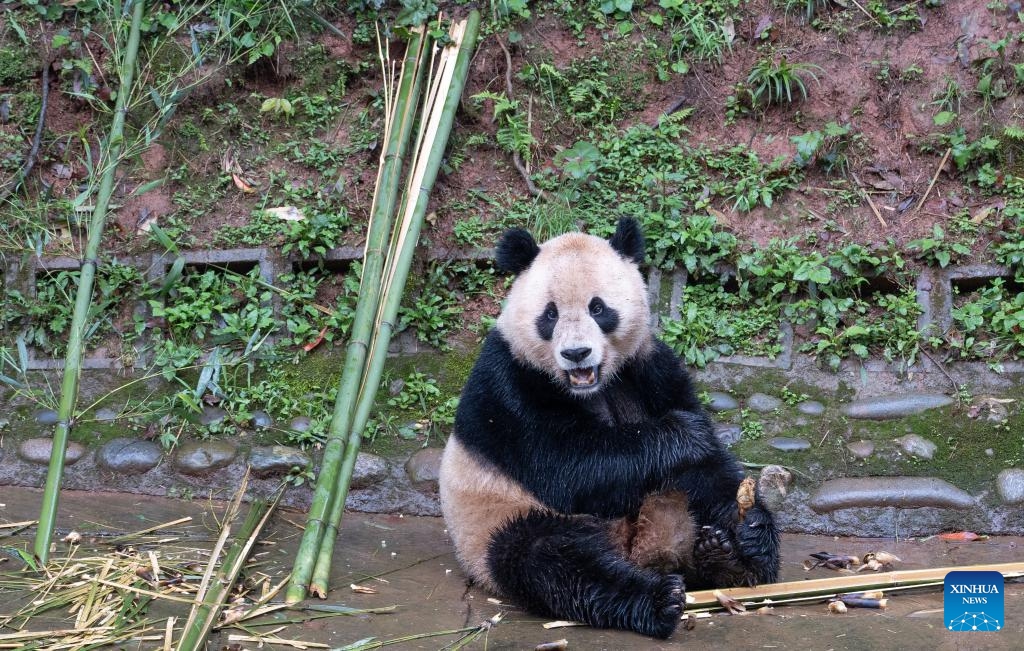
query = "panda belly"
{"x": 477, "y": 500}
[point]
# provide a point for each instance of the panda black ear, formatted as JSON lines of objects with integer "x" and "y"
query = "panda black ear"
{"x": 629, "y": 240}
{"x": 515, "y": 251}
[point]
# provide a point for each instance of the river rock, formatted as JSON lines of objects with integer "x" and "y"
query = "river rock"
{"x": 721, "y": 401}
{"x": 46, "y": 416}
{"x": 211, "y": 415}
{"x": 261, "y": 420}
{"x": 917, "y": 446}
{"x": 728, "y": 433}
{"x": 811, "y": 408}
{"x": 127, "y": 456}
{"x": 38, "y": 451}
{"x": 200, "y": 457}
{"x": 424, "y": 468}
{"x": 885, "y": 407}
{"x": 300, "y": 424}
{"x": 772, "y": 486}
{"x": 276, "y": 460}
{"x": 861, "y": 449}
{"x": 763, "y": 403}
{"x": 369, "y": 470}
{"x": 1010, "y": 483}
{"x": 788, "y": 444}
{"x": 900, "y": 492}
{"x": 106, "y": 415}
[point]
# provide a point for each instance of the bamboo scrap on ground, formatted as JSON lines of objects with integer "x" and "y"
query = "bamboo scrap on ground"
{"x": 817, "y": 589}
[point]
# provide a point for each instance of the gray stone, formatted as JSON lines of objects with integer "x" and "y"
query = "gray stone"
{"x": 917, "y": 446}
{"x": 38, "y": 451}
{"x": 200, "y": 457}
{"x": 369, "y": 470}
{"x": 788, "y": 444}
{"x": 396, "y": 386}
{"x": 4, "y": 424}
{"x": 763, "y": 403}
{"x": 424, "y": 468}
{"x": 811, "y": 408}
{"x": 772, "y": 486}
{"x": 728, "y": 433}
{"x": 1010, "y": 483}
{"x": 300, "y": 424}
{"x": 861, "y": 449}
{"x": 271, "y": 460}
{"x": 128, "y": 456}
{"x": 211, "y": 415}
{"x": 721, "y": 401}
{"x": 106, "y": 415}
{"x": 261, "y": 420}
{"x": 989, "y": 452}
{"x": 46, "y": 417}
{"x": 900, "y": 492}
{"x": 885, "y": 407}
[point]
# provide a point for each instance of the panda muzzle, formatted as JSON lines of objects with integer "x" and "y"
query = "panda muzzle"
{"x": 584, "y": 377}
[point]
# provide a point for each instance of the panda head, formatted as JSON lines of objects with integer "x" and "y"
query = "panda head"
{"x": 578, "y": 308}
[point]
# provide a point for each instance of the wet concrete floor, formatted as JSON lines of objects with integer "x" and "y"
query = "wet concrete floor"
{"x": 410, "y": 563}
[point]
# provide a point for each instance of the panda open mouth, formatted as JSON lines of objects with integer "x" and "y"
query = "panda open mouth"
{"x": 584, "y": 378}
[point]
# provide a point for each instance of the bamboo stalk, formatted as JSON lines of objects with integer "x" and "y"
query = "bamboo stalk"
{"x": 207, "y": 606}
{"x": 83, "y": 299}
{"x": 432, "y": 142}
{"x": 355, "y": 355}
{"x": 705, "y": 599}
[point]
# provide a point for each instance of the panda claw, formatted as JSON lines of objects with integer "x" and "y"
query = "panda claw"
{"x": 669, "y": 599}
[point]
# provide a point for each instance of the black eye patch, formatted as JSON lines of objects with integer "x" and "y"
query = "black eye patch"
{"x": 546, "y": 322}
{"x": 605, "y": 317}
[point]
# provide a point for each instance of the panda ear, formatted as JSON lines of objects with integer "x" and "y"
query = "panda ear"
{"x": 629, "y": 240}
{"x": 515, "y": 251}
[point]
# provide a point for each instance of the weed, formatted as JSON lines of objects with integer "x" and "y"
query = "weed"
{"x": 936, "y": 249}
{"x": 827, "y": 148}
{"x": 772, "y": 82}
{"x": 750, "y": 428}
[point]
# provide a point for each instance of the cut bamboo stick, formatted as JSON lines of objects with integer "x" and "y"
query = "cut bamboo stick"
{"x": 705, "y": 599}
{"x": 438, "y": 116}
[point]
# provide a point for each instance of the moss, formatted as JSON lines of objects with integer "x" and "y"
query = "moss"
{"x": 16, "y": 65}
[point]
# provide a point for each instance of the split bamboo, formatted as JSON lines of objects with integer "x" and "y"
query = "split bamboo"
{"x": 440, "y": 106}
{"x": 83, "y": 298}
{"x": 397, "y": 138}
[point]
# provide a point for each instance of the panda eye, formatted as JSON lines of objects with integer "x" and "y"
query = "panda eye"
{"x": 551, "y": 313}
{"x": 596, "y": 307}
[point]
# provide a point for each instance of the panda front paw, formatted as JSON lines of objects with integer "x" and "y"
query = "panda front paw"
{"x": 717, "y": 561}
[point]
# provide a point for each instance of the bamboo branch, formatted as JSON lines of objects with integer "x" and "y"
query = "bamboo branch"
{"x": 73, "y": 357}
{"x": 935, "y": 178}
{"x": 823, "y": 588}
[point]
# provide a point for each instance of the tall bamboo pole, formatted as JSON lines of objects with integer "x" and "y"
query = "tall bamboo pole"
{"x": 369, "y": 286}
{"x": 434, "y": 134}
{"x": 83, "y": 299}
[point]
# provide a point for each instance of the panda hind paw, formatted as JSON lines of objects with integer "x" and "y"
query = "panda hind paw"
{"x": 715, "y": 555}
{"x": 669, "y": 600}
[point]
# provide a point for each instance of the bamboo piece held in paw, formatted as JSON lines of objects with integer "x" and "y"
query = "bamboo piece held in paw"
{"x": 745, "y": 497}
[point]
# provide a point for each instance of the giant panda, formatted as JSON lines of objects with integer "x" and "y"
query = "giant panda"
{"x": 583, "y": 480}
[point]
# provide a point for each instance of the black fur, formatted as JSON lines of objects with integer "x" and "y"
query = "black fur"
{"x": 545, "y": 323}
{"x": 607, "y": 318}
{"x": 566, "y": 567}
{"x": 629, "y": 240}
{"x": 515, "y": 251}
{"x": 597, "y": 457}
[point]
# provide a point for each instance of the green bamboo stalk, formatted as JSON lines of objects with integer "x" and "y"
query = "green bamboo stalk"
{"x": 206, "y": 611}
{"x": 366, "y": 309}
{"x": 418, "y": 195}
{"x": 83, "y": 299}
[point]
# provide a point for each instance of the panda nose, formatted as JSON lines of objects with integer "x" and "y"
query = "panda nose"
{"x": 575, "y": 354}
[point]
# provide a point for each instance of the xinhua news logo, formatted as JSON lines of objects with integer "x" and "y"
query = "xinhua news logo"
{"x": 973, "y": 601}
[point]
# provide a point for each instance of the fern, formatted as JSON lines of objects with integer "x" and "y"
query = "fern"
{"x": 1014, "y": 133}
{"x": 513, "y": 135}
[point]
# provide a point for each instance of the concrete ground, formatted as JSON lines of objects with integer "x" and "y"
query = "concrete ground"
{"x": 410, "y": 563}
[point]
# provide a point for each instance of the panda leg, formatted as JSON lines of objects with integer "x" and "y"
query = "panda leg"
{"x": 569, "y": 568}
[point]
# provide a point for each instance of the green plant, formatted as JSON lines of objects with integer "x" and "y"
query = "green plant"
{"x": 773, "y": 82}
{"x": 750, "y": 428}
{"x": 990, "y": 324}
{"x": 936, "y": 249}
{"x": 827, "y": 147}
{"x": 792, "y": 398}
{"x": 513, "y": 134}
